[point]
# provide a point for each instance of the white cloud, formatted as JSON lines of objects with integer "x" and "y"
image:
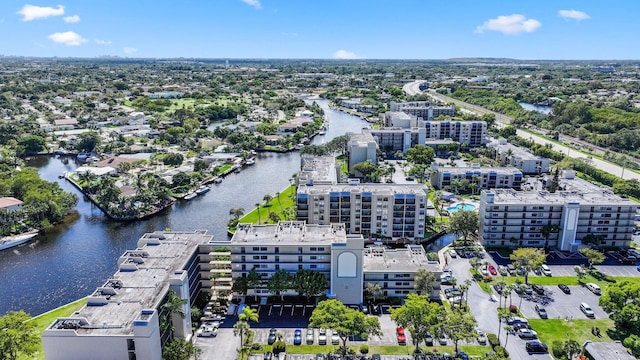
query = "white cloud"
{"x": 574, "y": 14}
{"x": 509, "y": 24}
{"x": 129, "y": 50}
{"x": 102, "y": 42}
{"x": 68, "y": 38}
{"x": 72, "y": 19}
{"x": 344, "y": 54}
{"x": 32, "y": 12}
{"x": 255, "y": 3}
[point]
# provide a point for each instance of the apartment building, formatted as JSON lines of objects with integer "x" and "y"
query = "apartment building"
{"x": 396, "y": 211}
{"x": 391, "y": 140}
{"x": 318, "y": 170}
{"x": 423, "y": 110}
{"x": 524, "y": 160}
{"x": 472, "y": 133}
{"x": 515, "y": 218}
{"x": 122, "y": 318}
{"x": 360, "y": 148}
{"x": 482, "y": 177}
{"x": 328, "y": 249}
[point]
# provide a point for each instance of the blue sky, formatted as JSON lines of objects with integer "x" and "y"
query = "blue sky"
{"x": 365, "y": 29}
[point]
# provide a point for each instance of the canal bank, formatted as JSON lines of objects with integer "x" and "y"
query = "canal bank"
{"x": 71, "y": 259}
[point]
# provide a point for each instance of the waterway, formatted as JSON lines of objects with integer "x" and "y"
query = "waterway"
{"x": 72, "y": 259}
{"x": 532, "y": 107}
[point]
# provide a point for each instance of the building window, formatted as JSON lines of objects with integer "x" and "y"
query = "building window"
{"x": 131, "y": 344}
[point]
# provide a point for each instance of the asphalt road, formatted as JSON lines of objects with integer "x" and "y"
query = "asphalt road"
{"x": 413, "y": 88}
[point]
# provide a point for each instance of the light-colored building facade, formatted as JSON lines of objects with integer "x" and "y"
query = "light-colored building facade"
{"x": 524, "y": 160}
{"x": 422, "y": 109}
{"x": 360, "y": 148}
{"x": 10, "y": 203}
{"x": 395, "y": 211}
{"x": 347, "y": 264}
{"x": 483, "y": 177}
{"x": 472, "y": 133}
{"x": 515, "y": 218}
{"x": 124, "y": 316}
{"x": 391, "y": 140}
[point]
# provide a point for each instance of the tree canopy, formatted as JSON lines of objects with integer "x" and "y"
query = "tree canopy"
{"x": 529, "y": 258}
{"x": 418, "y": 314}
{"x": 309, "y": 283}
{"x": 332, "y": 314}
{"x": 17, "y": 335}
{"x": 464, "y": 222}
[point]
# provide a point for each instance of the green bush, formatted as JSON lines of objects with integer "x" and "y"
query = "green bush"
{"x": 364, "y": 349}
{"x": 557, "y": 348}
{"x": 493, "y": 340}
{"x": 501, "y": 352}
{"x": 279, "y": 346}
{"x": 256, "y": 346}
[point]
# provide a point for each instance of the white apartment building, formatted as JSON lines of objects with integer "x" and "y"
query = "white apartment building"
{"x": 360, "y": 148}
{"x": 391, "y": 140}
{"x": 515, "y": 218}
{"x": 472, "y": 133}
{"x": 122, "y": 318}
{"x": 318, "y": 170}
{"x": 422, "y": 109}
{"x": 395, "y": 211}
{"x": 524, "y": 160}
{"x": 483, "y": 177}
{"x": 328, "y": 249}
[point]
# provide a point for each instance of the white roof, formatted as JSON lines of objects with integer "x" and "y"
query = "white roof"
{"x": 96, "y": 170}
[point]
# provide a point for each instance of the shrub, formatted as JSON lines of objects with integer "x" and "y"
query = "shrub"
{"x": 256, "y": 346}
{"x": 557, "y": 348}
{"x": 493, "y": 340}
{"x": 364, "y": 349}
{"x": 501, "y": 352}
{"x": 279, "y": 346}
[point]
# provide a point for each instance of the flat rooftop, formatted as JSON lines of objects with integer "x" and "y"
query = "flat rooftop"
{"x": 407, "y": 260}
{"x": 518, "y": 152}
{"x": 317, "y": 169}
{"x": 141, "y": 283}
{"x": 378, "y": 189}
{"x": 480, "y": 170}
{"x": 289, "y": 232}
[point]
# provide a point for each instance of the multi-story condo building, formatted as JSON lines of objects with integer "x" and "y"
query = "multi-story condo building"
{"x": 391, "y": 140}
{"x": 483, "y": 177}
{"x": 328, "y": 249}
{"x": 524, "y": 160}
{"x": 395, "y": 269}
{"x": 422, "y": 109}
{"x": 515, "y": 218}
{"x": 318, "y": 170}
{"x": 395, "y": 211}
{"x": 360, "y": 148}
{"x": 125, "y": 314}
{"x": 472, "y": 133}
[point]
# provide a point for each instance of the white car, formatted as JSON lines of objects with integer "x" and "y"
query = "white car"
{"x": 484, "y": 271}
{"x": 545, "y": 270}
{"x": 335, "y": 339}
{"x": 594, "y": 288}
{"x": 205, "y": 331}
{"x": 453, "y": 253}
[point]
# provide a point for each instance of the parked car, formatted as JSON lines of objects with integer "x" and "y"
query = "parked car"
{"x": 453, "y": 253}
{"x": 482, "y": 338}
{"x": 364, "y": 308}
{"x": 492, "y": 270}
{"x": 511, "y": 268}
{"x": 594, "y": 288}
{"x": 638, "y": 267}
{"x": 310, "y": 336}
{"x": 462, "y": 355}
{"x": 527, "y": 334}
{"x": 268, "y": 355}
{"x": 335, "y": 338}
{"x": 320, "y": 357}
{"x": 322, "y": 337}
{"x": 484, "y": 271}
{"x": 272, "y": 336}
{"x": 428, "y": 340}
{"x": 536, "y": 347}
{"x": 498, "y": 288}
{"x": 205, "y": 331}
{"x": 586, "y": 309}
{"x": 375, "y": 357}
{"x": 564, "y": 288}
{"x": 542, "y": 312}
{"x": 538, "y": 289}
{"x": 545, "y": 270}
{"x": 442, "y": 340}
{"x": 515, "y": 320}
{"x": 402, "y": 338}
{"x": 297, "y": 337}
{"x": 503, "y": 270}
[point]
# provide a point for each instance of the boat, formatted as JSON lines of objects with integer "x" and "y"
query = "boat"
{"x": 202, "y": 190}
{"x": 322, "y": 132}
{"x": 250, "y": 162}
{"x": 15, "y": 240}
{"x": 190, "y": 196}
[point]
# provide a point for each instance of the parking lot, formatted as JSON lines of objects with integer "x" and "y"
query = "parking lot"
{"x": 561, "y": 305}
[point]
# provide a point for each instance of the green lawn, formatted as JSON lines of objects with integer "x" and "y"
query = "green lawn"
{"x": 472, "y": 350}
{"x": 579, "y": 330}
{"x": 285, "y": 201}
{"x": 43, "y": 321}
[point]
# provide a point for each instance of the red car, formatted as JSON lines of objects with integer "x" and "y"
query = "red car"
{"x": 402, "y": 338}
{"x": 492, "y": 270}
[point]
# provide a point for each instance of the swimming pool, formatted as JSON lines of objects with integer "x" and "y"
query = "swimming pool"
{"x": 458, "y": 207}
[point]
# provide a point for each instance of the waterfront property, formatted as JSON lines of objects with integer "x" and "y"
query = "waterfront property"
{"x": 482, "y": 177}
{"x": 395, "y": 211}
{"x": 10, "y": 203}
{"x": 360, "y": 148}
{"x": 318, "y": 170}
{"x": 125, "y": 315}
{"x": 524, "y": 160}
{"x": 328, "y": 249}
{"x": 423, "y": 110}
{"x": 579, "y": 209}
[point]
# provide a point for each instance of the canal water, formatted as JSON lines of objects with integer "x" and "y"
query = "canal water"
{"x": 545, "y": 109}
{"x": 71, "y": 260}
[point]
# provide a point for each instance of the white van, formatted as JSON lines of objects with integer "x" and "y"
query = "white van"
{"x": 594, "y": 288}
{"x": 586, "y": 309}
{"x": 545, "y": 270}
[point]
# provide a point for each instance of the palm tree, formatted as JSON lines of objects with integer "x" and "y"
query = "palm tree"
{"x": 266, "y": 199}
{"x": 278, "y": 197}
{"x": 248, "y": 314}
{"x": 258, "y": 207}
{"x": 173, "y": 306}
{"x": 236, "y": 213}
{"x": 241, "y": 328}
